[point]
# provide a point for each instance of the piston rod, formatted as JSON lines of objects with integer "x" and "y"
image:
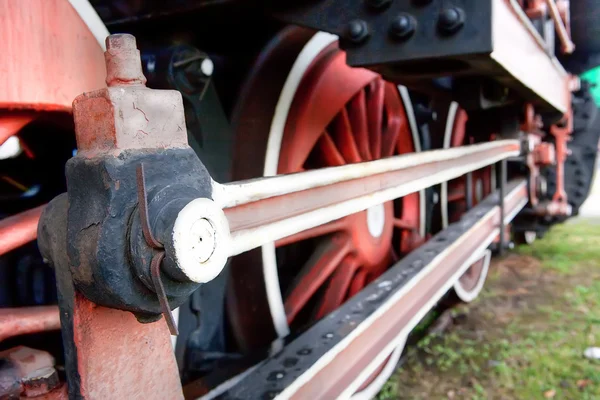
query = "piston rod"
{"x": 248, "y": 214}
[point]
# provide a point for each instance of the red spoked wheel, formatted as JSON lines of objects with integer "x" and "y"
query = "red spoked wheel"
{"x": 328, "y": 114}
{"x": 453, "y": 202}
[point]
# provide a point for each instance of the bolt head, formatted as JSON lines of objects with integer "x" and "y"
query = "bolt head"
{"x": 201, "y": 240}
{"x": 451, "y": 20}
{"x": 403, "y": 26}
{"x": 357, "y": 31}
{"x": 123, "y": 41}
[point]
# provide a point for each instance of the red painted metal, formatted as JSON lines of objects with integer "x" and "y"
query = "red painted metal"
{"x": 19, "y": 229}
{"x": 457, "y": 193}
{"x": 544, "y": 154}
{"x": 43, "y": 45}
{"x": 11, "y": 124}
{"x": 120, "y": 358}
{"x": 25, "y": 320}
{"x": 561, "y": 137}
{"x": 115, "y": 355}
{"x": 343, "y": 115}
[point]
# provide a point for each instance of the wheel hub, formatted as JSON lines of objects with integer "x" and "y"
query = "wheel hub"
{"x": 371, "y": 232}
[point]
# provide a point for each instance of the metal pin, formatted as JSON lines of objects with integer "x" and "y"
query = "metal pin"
{"x": 158, "y": 257}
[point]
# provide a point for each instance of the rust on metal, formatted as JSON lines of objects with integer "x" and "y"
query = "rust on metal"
{"x": 19, "y": 229}
{"x": 160, "y": 292}
{"x": 40, "y": 382}
{"x": 17, "y": 364}
{"x": 127, "y": 115}
{"x": 143, "y": 205}
{"x": 120, "y": 358}
{"x": 25, "y": 320}
{"x": 158, "y": 257}
{"x": 113, "y": 354}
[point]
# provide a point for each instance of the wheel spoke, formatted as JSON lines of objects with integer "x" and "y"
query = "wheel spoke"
{"x": 338, "y": 286}
{"x": 329, "y": 151}
{"x": 375, "y": 116}
{"x": 360, "y": 127}
{"x": 394, "y": 256}
{"x": 321, "y": 230}
{"x": 328, "y": 255}
{"x": 358, "y": 283}
{"x": 390, "y": 138}
{"x": 344, "y": 137}
{"x": 404, "y": 224}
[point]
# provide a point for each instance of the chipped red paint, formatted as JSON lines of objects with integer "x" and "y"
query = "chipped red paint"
{"x": 120, "y": 358}
{"x": 25, "y": 320}
{"x": 19, "y": 363}
{"x": 116, "y": 355}
{"x": 127, "y": 115}
{"x": 19, "y": 229}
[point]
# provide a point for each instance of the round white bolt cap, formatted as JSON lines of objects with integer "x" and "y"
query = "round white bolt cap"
{"x": 201, "y": 240}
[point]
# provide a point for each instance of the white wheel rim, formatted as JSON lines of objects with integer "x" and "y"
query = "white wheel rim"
{"x": 273, "y": 291}
{"x": 468, "y": 296}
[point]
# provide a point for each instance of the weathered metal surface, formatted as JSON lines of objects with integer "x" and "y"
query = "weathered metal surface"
{"x": 464, "y": 39}
{"x": 334, "y": 356}
{"x": 44, "y": 42}
{"x": 117, "y": 129}
{"x": 18, "y": 367}
{"x": 127, "y": 115}
{"x": 93, "y": 236}
{"x": 19, "y": 229}
{"x": 25, "y": 320}
{"x": 108, "y": 352}
{"x": 119, "y": 358}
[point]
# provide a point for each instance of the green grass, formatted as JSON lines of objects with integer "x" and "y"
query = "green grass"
{"x": 524, "y": 337}
{"x": 567, "y": 245}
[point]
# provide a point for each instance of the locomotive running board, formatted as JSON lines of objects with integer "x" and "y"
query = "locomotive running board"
{"x": 334, "y": 357}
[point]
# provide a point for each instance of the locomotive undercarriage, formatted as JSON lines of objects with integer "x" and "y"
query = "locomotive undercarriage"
{"x": 328, "y": 237}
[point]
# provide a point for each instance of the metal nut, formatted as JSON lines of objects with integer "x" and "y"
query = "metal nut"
{"x": 451, "y": 20}
{"x": 357, "y": 31}
{"x": 403, "y": 26}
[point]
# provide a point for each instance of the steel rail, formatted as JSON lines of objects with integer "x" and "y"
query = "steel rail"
{"x": 337, "y": 354}
{"x": 268, "y": 209}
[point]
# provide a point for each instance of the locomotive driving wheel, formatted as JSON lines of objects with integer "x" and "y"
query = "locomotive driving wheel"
{"x": 319, "y": 113}
{"x": 453, "y": 201}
